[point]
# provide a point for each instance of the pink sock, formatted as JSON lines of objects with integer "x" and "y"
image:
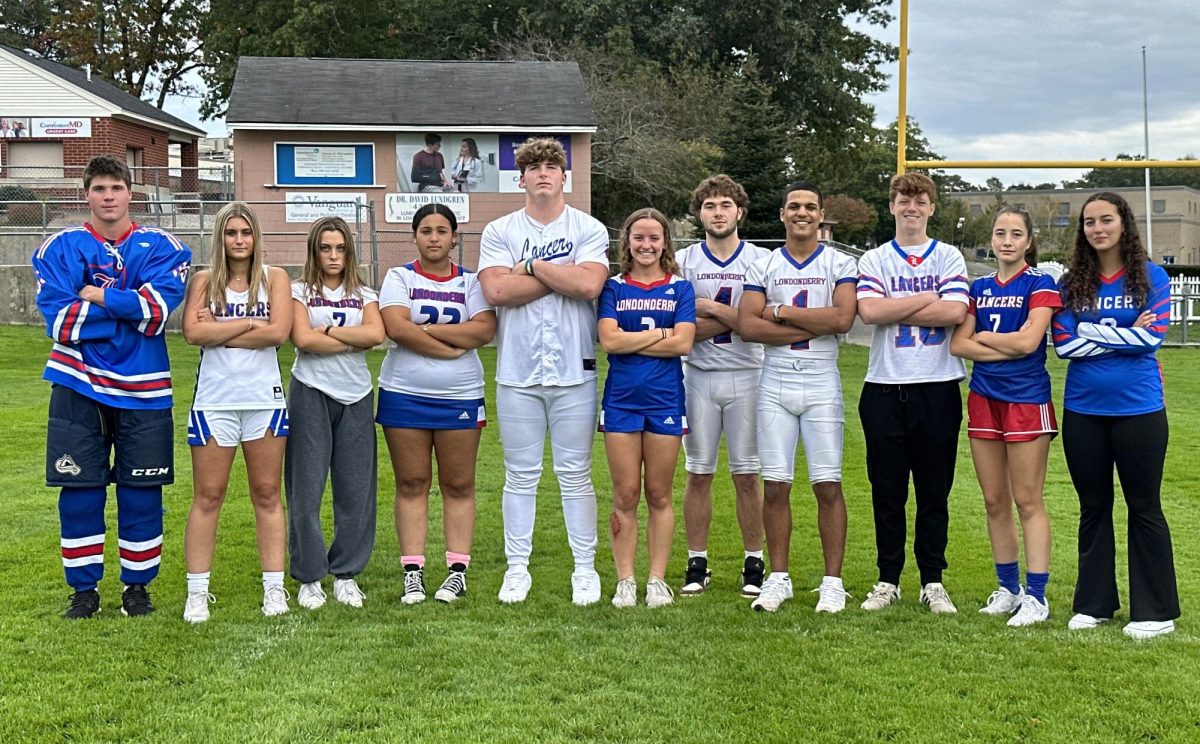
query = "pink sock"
{"x": 408, "y": 560}
{"x": 452, "y": 558}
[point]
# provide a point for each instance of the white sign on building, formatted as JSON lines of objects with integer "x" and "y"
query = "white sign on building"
{"x": 400, "y": 208}
{"x": 310, "y": 206}
{"x": 79, "y": 126}
{"x": 318, "y": 161}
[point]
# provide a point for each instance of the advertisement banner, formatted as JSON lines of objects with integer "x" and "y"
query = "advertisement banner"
{"x": 400, "y": 208}
{"x": 12, "y": 127}
{"x": 61, "y": 127}
{"x": 310, "y": 206}
{"x": 319, "y": 161}
{"x": 510, "y": 175}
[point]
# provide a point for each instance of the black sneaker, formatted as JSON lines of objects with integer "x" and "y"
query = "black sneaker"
{"x": 752, "y": 576}
{"x": 83, "y": 605}
{"x": 414, "y": 585}
{"x": 697, "y": 577}
{"x": 135, "y": 601}
{"x": 454, "y": 586}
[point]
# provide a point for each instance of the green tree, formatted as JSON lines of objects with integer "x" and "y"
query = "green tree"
{"x": 1112, "y": 178}
{"x": 854, "y": 217}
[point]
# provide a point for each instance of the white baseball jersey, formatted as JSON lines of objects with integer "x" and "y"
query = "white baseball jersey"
{"x": 722, "y": 282}
{"x": 343, "y": 377}
{"x": 902, "y": 353}
{"x": 785, "y": 281}
{"x": 230, "y": 379}
{"x": 440, "y": 300}
{"x": 551, "y": 340}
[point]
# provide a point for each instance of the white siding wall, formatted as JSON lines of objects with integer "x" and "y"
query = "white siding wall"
{"x": 34, "y": 93}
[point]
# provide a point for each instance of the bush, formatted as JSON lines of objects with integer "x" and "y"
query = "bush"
{"x": 16, "y": 194}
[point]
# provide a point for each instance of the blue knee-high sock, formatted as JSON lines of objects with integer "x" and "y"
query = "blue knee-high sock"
{"x": 139, "y": 532}
{"x": 81, "y": 527}
{"x": 1009, "y": 575}
{"x": 1035, "y": 585}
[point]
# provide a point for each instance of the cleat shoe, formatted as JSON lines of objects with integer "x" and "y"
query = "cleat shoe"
{"x": 832, "y": 597}
{"x": 1080, "y": 621}
{"x": 626, "y": 594}
{"x": 515, "y": 587}
{"x": 83, "y": 605}
{"x": 1144, "y": 630}
{"x": 311, "y": 595}
{"x": 881, "y": 596}
{"x": 753, "y": 572}
{"x": 454, "y": 586}
{"x": 195, "y": 610}
{"x": 1031, "y": 612}
{"x": 135, "y": 601}
{"x": 414, "y": 585}
{"x": 934, "y": 595}
{"x": 275, "y": 601}
{"x": 347, "y": 592}
{"x": 585, "y": 587}
{"x": 776, "y": 590}
{"x": 658, "y": 594}
{"x": 697, "y": 577}
{"x": 1003, "y": 602}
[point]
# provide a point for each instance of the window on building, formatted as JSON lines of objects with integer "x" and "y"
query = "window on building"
{"x": 30, "y": 160}
{"x": 1168, "y": 260}
{"x": 1160, "y": 206}
{"x": 1064, "y": 209}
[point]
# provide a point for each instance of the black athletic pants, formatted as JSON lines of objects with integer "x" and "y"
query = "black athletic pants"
{"x": 911, "y": 429}
{"x": 1137, "y": 445}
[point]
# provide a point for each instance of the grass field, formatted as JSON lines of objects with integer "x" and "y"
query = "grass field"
{"x": 705, "y": 669}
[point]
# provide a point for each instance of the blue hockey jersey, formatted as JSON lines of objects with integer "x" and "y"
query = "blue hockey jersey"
{"x": 116, "y": 353}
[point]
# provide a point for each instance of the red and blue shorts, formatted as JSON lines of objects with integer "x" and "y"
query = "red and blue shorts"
{"x": 1009, "y": 422}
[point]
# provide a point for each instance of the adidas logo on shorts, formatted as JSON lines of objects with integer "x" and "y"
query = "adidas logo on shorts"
{"x": 464, "y": 416}
{"x": 669, "y": 420}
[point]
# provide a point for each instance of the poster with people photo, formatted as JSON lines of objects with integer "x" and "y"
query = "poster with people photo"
{"x": 12, "y": 127}
{"x": 459, "y": 162}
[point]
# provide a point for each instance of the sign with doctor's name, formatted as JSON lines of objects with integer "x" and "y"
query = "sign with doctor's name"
{"x": 61, "y": 127}
{"x": 400, "y": 208}
{"x": 310, "y": 206}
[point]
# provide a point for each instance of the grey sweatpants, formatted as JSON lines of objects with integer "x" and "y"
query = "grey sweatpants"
{"x": 329, "y": 440}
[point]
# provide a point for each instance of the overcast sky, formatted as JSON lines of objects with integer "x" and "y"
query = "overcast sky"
{"x": 1033, "y": 80}
{"x": 1038, "y": 80}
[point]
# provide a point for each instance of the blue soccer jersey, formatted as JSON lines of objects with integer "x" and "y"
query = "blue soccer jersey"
{"x": 637, "y": 382}
{"x": 1003, "y": 307}
{"x": 1113, "y": 370}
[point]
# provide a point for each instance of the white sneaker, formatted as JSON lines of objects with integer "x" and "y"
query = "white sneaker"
{"x": 585, "y": 587}
{"x": 626, "y": 593}
{"x": 1080, "y": 621}
{"x": 832, "y": 597}
{"x": 454, "y": 587}
{"x": 1003, "y": 602}
{"x": 275, "y": 601}
{"x": 1032, "y": 611}
{"x": 934, "y": 595}
{"x": 881, "y": 595}
{"x": 775, "y": 590}
{"x": 516, "y": 585}
{"x": 311, "y": 595}
{"x": 414, "y": 586}
{"x": 195, "y": 610}
{"x": 1144, "y": 630}
{"x": 348, "y": 592}
{"x": 658, "y": 594}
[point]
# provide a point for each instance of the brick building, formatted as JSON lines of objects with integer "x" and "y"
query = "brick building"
{"x": 54, "y": 118}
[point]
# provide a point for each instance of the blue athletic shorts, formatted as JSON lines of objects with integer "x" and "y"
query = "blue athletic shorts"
{"x": 621, "y": 421}
{"x": 403, "y": 411}
{"x": 81, "y": 434}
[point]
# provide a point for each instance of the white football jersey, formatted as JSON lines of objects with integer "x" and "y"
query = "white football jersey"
{"x": 721, "y": 281}
{"x": 551, "y": 340}
{"x": 902, "y": 353}
{"x": 230, "y": 379}
{"x": 343, "y": 377}
{"x": 784, "y": 281}
{"x": 432, "y": 299}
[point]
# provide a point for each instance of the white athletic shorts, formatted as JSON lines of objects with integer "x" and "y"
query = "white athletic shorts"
{"x": 231, "y": 427}
{"x": 721, "y": 400}
{"x": 801, "y": 399}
